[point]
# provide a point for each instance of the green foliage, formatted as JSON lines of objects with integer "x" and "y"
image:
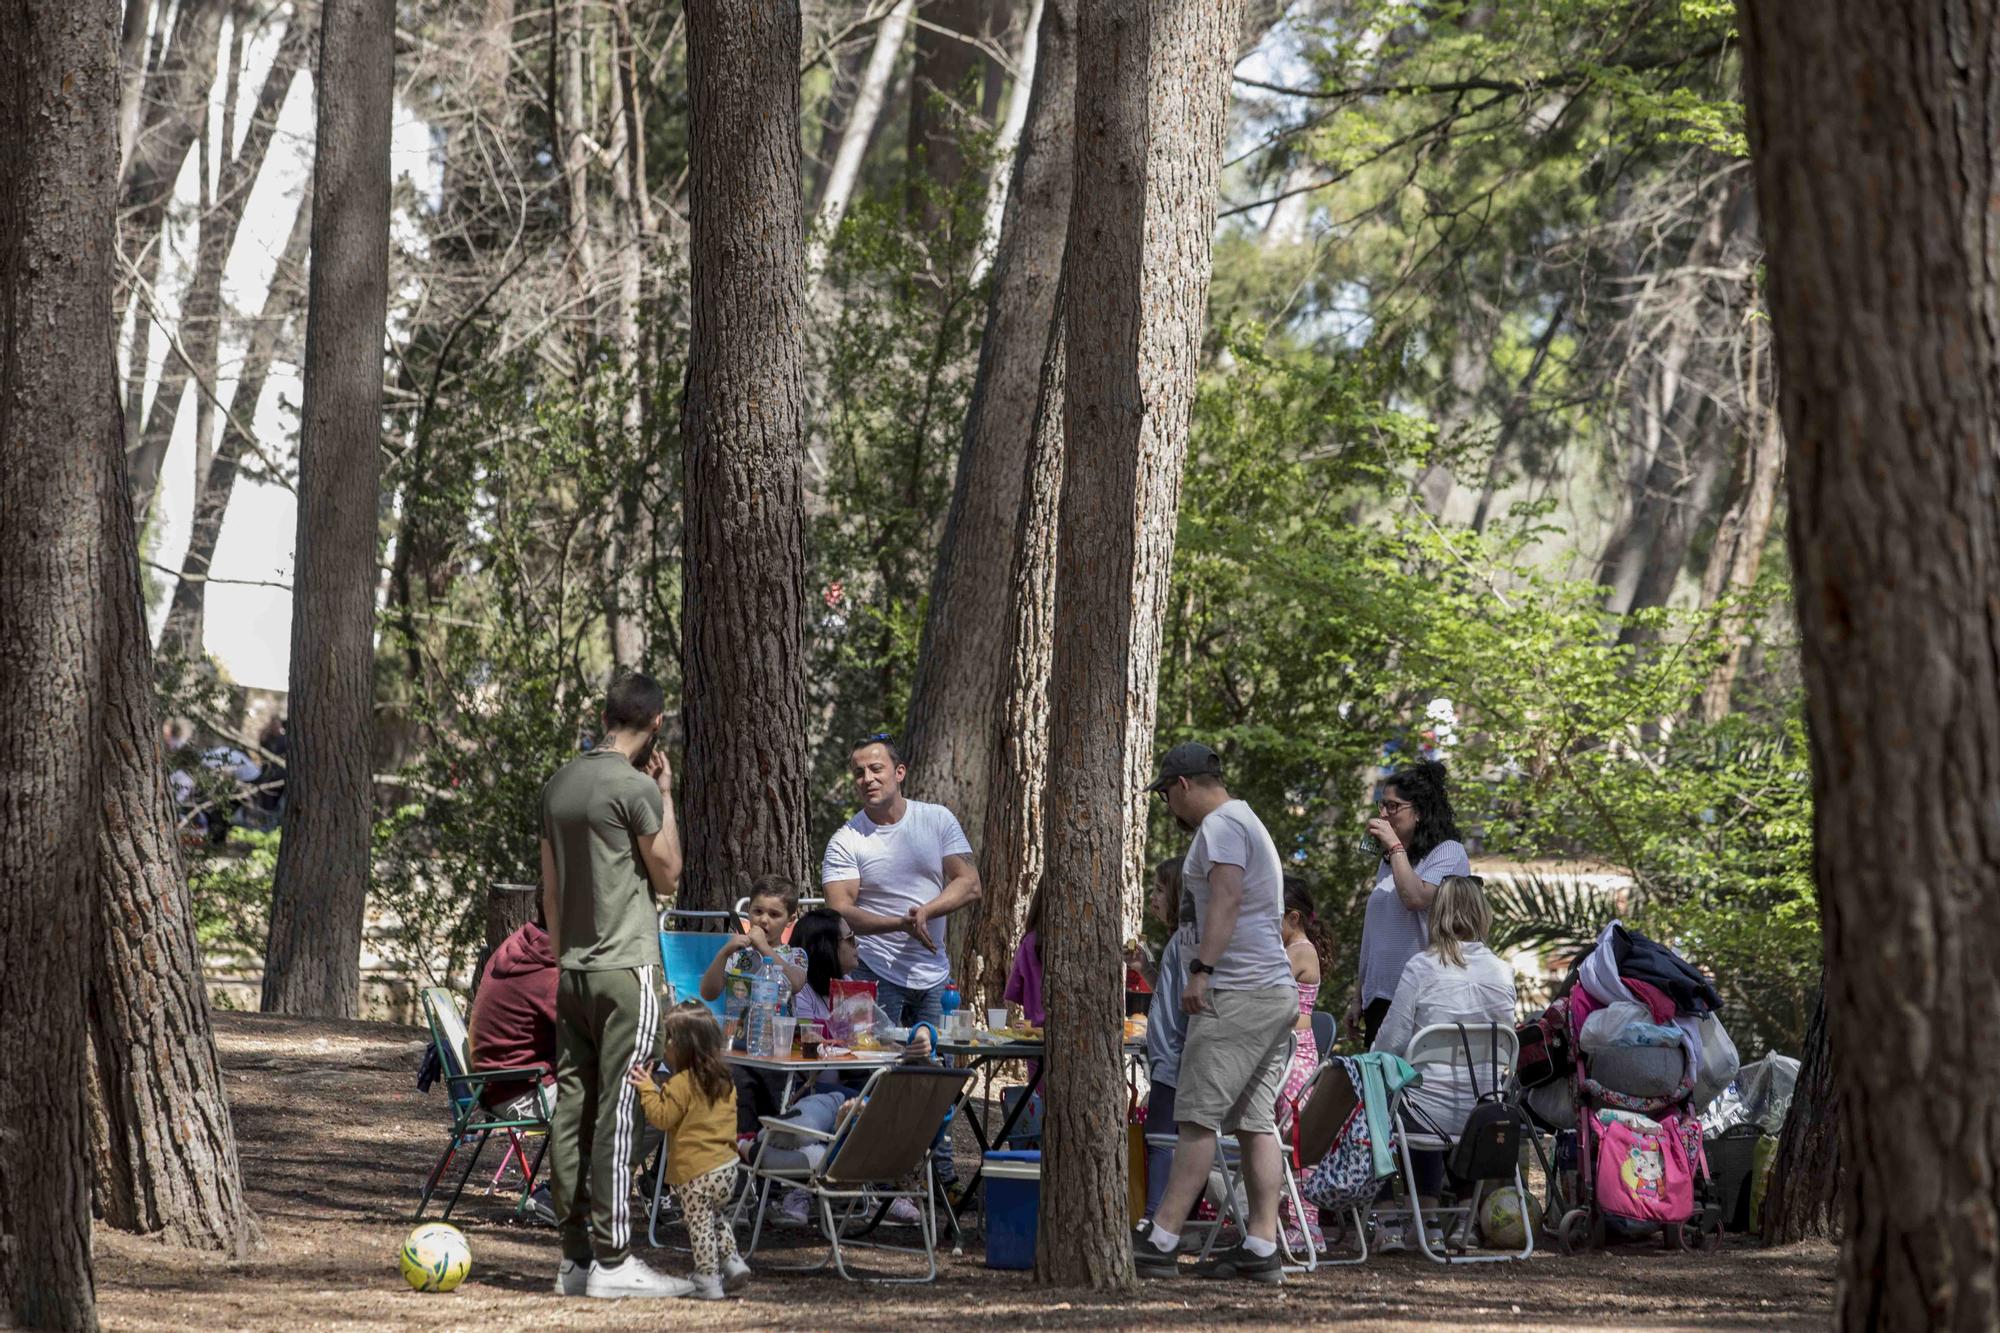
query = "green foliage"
{"x": 230, "y": 888}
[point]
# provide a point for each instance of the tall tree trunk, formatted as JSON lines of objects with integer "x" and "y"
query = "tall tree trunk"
{"x": 59, "y": 423}
{"x": 1738, "y": 552}
{"x": 1007, "y": 142}
{"x": 312, "y": 963}
{"x": 575, "y": 138}
{"x": 625, "y": 586}
{"x": 1136, "y": 286}
{"x": 200, "y": 323}
{"x": 187, "y": 612}
{"x": 1804, "y": 1197}
{"x": 131, "y": 75}
{"x": 1011, "y": 842}
{"x": 743, "y": 664}
{"x": 858, "y": 132}
{"x": 169, "y": 1160}
{"x": 963, "y": 661}
{"x": 1877, "y": 163}
{"x": 941, "y": 75}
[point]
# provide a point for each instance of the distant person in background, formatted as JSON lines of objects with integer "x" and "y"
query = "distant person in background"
{"x": 271, "y": 787}
{"x": 1024, "y": 979}
{"x": 513, "y": 1025}
{"x": 1420, "y": 848}
{"x": 1166, "y": 1021}
{"x": 1305, "y": 946}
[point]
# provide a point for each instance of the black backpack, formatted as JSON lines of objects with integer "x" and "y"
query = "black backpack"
{"x": 1489, "y": 1147}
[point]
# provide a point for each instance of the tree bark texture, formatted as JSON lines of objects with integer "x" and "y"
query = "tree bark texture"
{"x": 743, "y": 430}
{"x": 1010, "y": 845}
{"x": 1874, "y": 135}
{"x": 312, "y": 963}
{"x": 1740, "y": 537}
{"x": 200, "y": 324}
{"x": 59, "y": 422}
{"x": 964, "y": 659}
{"x": 187, "y": 612}
{"x": 1136, "y": 284}
{"x": 1804, "y": 1196}
{"x": 168, "y": 1163}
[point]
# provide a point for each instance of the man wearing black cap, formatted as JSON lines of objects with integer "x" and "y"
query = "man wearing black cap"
{"x": 1242, "y": 1005}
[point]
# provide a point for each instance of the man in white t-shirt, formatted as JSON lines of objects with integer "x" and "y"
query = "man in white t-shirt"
{"x": 1242, "y": 1005}
{"x": 894, "y": 872}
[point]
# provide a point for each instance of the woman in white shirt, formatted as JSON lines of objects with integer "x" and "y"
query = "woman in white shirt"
{"x": 1456, "y": 979}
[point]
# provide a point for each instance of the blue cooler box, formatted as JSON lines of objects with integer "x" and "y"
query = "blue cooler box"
{"x": 1013, "y": 1207}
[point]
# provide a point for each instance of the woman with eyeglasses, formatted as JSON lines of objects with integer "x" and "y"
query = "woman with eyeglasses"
{"x": 1420, "y": 848}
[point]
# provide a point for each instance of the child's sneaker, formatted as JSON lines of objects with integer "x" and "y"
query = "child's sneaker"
{"x": 707, "y": 1287}
{"x": 794, "y": 1211}
{"x": 904, "y": 1212}
{"x": 735, "y": 1273}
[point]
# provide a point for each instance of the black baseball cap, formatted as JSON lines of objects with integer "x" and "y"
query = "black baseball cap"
{"x": 1189, "y": 759}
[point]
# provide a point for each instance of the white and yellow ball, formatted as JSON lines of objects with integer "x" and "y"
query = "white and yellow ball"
{"x": 436, "y": 1257}
{"x": 1503, "y": 1221}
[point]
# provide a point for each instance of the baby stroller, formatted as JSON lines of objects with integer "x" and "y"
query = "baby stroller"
{"x": 1639, "y": 1162}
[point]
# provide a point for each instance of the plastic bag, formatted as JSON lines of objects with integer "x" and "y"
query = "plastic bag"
{"x": 851, "y": 1013}
{"x": 1767, "y": 1086}
{"x": 1719, "y": 1062}
{"x": 1624, "y": 1023}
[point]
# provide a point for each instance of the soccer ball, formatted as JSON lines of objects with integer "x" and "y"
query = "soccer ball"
{"x": 1503, "y": 1221}
{"x": 436, "y": 1257}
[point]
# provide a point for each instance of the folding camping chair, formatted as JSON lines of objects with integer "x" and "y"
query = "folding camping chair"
{"x": 470, "y": 1119}
{"x": 1489, "y": 1053}
{"x": 870, "y": 1160}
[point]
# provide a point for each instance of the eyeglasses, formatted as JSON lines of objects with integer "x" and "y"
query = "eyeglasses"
{"x": 1394, "y": 807}
{"x": 846, "y": 936}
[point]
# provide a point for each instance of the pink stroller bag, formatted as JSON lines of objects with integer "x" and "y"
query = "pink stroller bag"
{"x": 1645, "y": 1175}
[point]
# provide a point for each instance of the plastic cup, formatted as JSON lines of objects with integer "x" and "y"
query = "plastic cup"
{"x": 996, "y": 1020}
{"x": 810, "y": 1037}
{"x": 781, "y": 1036}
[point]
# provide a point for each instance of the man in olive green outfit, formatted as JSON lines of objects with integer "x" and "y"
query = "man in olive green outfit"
{"x": 609, "y": 846}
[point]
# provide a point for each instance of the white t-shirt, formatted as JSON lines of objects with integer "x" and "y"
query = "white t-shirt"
{"x": 1255, "y": 955}
{"x": 900, "y": 866}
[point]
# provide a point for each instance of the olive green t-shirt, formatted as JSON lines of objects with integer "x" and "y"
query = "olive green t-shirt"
{"x": 593, "y": 810}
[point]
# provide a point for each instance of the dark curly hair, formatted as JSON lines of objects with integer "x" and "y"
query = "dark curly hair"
{"x": 1299, "y": 898}
{"x": 1425, "y": 786}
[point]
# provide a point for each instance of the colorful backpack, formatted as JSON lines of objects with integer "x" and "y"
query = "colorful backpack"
{"x": 1645, "y": 1173}
{"x": 1346, "y": 1175}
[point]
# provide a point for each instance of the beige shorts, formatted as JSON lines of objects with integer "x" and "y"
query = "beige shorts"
{"x": 1233, "y": 1065}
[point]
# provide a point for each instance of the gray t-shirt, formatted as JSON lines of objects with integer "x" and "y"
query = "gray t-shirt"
{"x": 1392, "y": 934}
{"x": 1255, "y": 955}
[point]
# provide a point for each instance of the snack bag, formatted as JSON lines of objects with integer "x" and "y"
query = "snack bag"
{"x": 851, "y": 1021}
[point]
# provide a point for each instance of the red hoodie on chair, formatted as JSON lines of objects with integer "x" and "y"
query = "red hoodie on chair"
{"x": 514, "y": 1013}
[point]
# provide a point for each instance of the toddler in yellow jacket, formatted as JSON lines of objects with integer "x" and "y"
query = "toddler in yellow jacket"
{"x": 696, "y": 1110}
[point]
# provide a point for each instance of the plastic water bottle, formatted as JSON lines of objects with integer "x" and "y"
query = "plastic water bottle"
{"x": 760, "y": 1023}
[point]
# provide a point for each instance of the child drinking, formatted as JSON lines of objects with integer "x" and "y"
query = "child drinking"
{"x": 1305, "y": 946}
{"x": 696, "y": 1110}
{"x": 774, "y": 902}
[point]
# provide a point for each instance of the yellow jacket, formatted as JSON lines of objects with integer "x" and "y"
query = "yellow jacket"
{"x": 701, "y": 1134}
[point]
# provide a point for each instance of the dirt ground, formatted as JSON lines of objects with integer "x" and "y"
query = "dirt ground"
{"x": 336, "y": 1141}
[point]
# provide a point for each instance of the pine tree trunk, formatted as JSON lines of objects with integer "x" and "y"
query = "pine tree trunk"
{"x": 1804, "y": 1195}
{"x": 169, "y": 1162}
{"x": 963, "y": 661}
{"x": 1877, "y": 164}
{"x": 1007, "y": 143}
{"x": 312, "y": 962}
{"x": 582, "y": 258}
{"x": 743, "y": 666}
{"x": 1739, "y": 551}
{"x": 941, "y": 70}
{"x": 1011, "y": 842}
{"x": 1136, "y": 285}
{"x": 59, "y": 423}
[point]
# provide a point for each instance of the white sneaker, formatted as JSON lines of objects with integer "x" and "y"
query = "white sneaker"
{"x": 795, "y": 1210}
{"x": 633, "y": 1279}
{"x": 707, "y": 1287}
{"x": 735, "y": 1273}
{"x": 1389, "y": 1240}
{"x": 572, "y": 1277}
{"x": 904, "y": 1212}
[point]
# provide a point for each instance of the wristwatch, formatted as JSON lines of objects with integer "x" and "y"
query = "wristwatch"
{"x": 1197, "y": 967}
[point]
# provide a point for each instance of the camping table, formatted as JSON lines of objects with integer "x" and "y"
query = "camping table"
{"x": 988, "y": 1056}
{"x": 791, "y": 1066}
